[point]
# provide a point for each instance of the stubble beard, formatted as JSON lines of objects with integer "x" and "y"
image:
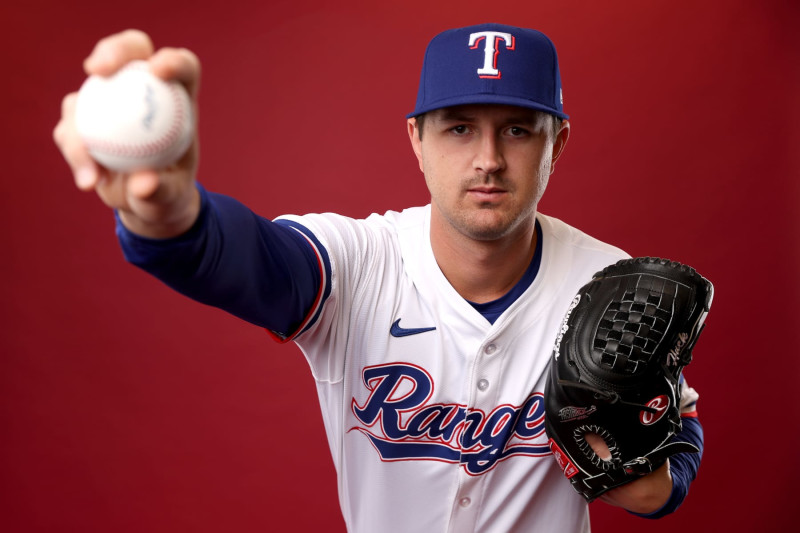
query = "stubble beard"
{"x": 490, "y": 222}
{"x": 487, "y": 224}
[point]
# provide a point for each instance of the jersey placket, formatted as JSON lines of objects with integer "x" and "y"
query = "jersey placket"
{"x": 483, "y": 396}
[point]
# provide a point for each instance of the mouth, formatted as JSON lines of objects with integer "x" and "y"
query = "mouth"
{"x": 486, "y": 193}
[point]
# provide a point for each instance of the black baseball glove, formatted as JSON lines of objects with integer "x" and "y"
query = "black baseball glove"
{"x": 616, "y": 368}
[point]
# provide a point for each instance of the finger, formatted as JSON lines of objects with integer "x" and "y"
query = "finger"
{"x": 143, "y": 184}
{"x": 598, "y": 445}
{"x": 177, "y": 64}
{"x": 114, "y": 51}
{"x": 84, "y": 169}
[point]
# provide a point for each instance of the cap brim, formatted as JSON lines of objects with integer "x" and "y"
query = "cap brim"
{"x": 495, "y": 99}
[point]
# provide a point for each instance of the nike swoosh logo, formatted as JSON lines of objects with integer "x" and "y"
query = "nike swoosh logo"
{"x": 397, "y": 331}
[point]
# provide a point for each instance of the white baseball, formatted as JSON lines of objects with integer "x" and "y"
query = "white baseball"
{"x": 133, "y": 120}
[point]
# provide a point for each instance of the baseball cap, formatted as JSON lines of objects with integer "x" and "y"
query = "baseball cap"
{"x": 490, "y": 64}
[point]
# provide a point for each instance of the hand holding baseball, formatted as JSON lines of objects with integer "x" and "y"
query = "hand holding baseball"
{"x": 133, "y": 120}
{"x": 130, "y": 134}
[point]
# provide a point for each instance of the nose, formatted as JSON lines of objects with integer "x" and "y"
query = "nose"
{"x": 489, "y": 156}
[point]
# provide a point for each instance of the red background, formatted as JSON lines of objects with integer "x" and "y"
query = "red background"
{"x": 124, "y": 407}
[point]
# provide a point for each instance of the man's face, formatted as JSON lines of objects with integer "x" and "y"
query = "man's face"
{"x": 486, "y": 167}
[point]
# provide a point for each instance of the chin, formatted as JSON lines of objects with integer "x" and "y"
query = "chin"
{"x": 490, "y": 232}
{"x": 491, "y": 226}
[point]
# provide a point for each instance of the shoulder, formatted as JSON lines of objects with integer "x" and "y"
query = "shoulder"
{"x": 355, "y": 243}
{"x": 571, "y": 237}
{"x": 571, "y": 257}
{"x": 391, "y": 221}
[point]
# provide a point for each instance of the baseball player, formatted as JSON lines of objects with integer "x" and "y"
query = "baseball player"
{"x": 428, "y": 331}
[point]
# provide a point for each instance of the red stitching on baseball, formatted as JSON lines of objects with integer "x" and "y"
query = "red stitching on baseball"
{"x": 153, "y": 147}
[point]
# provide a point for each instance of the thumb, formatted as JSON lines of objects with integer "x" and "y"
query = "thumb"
{"x": 143, "y": 184}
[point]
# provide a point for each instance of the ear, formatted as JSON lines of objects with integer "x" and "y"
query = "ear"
{"x": 416, "y": 143}
{"x": 559, "y": 143}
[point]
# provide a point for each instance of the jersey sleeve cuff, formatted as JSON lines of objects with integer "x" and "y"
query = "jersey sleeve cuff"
{"x": 324, "y": 290}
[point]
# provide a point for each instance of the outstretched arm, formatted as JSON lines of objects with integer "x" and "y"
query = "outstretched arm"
{"x": 260, "y": 271}
{"x": 267, "y": 273}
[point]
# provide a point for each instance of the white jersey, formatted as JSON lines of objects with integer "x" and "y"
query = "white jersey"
{"x": 434, "y": 416}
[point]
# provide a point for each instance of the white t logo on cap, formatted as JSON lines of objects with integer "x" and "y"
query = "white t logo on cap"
{"x": 490, "y": 51}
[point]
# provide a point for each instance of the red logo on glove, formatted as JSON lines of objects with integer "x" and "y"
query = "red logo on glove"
{"x": 563, "y": 461}
{"x": 660, "y": 404}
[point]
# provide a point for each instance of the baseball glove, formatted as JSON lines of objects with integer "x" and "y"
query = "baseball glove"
{"x": 616, "y": 368}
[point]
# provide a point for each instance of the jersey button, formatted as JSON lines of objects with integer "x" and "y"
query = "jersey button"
{"x": 490, "y": 349}
{"x": 464, "y": 502}
{"x": 483, "y": 384}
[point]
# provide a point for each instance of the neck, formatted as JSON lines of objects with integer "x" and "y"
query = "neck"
{"x": 482, "y": 271}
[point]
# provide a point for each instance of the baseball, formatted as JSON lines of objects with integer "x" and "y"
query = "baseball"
{"x": 133, "y": 120}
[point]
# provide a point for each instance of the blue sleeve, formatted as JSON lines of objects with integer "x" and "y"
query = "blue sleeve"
{"x": 267, "y": 273}
{"x": 682, "y": 466}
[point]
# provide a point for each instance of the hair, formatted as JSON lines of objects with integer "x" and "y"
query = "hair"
{"x": 555, "y": 123}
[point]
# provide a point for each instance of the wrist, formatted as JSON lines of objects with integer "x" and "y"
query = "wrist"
{"x": 645, "y": 495}
{"x": 163, "y": 221}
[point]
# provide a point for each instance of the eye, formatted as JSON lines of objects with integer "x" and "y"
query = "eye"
{"x": 461, "y": 129}
{"x": 516, "y": 131}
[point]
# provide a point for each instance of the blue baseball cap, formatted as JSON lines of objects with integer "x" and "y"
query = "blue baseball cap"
{"x": 490, "y": 64}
